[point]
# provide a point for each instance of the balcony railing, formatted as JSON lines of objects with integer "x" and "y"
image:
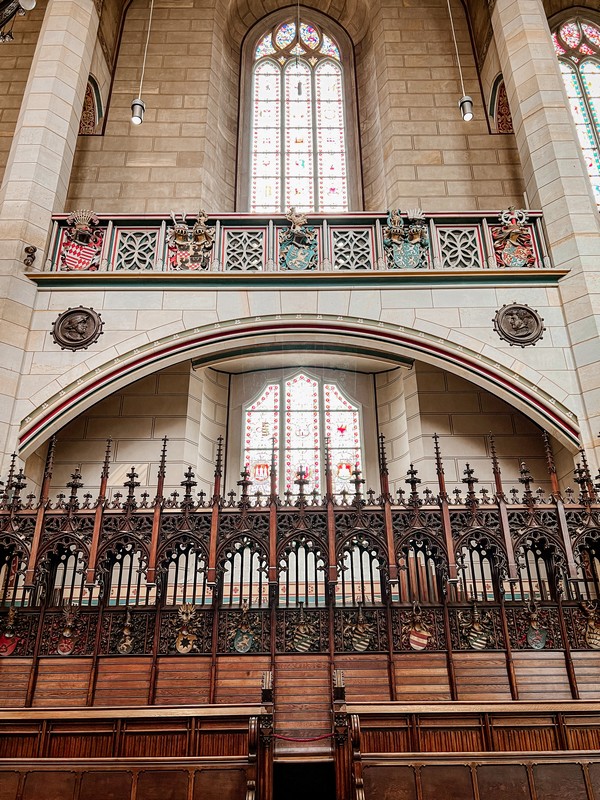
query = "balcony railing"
{"x": 237, "y": 243}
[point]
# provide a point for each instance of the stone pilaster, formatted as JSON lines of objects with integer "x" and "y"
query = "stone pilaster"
{"x": 556, "y": 181}
{"x": 37, "y": 176}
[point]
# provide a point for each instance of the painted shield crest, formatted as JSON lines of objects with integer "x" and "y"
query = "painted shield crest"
{"x": 360, "y": 640}
{"x": 8, "y": 645}
{"x": 184, "y": 643}
{"x": 592, "y": 635}
{"x": 243, "y": 641}
{"x": 65, "y": 645}
{"x": 536, "y": 637}
{"x": 404, "y": 255}
{"x": 76, "y": 257}
{"x": 514, "y": 255}
{"x": 418, "y": 638}
{"x": 302, "y": 640}
{"x": 477, "y": 639}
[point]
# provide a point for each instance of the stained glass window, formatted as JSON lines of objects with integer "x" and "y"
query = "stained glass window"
{"x": 292, "y": 422}
{"x": 577, "y": 45}
{"x": 298, "y": 144}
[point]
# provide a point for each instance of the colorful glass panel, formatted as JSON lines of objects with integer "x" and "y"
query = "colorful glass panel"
{"x": 302, "y": 435}
{"x": 285, "y": 34}
{"x": 309, "y": 35}
{"x": 570, "y": 34}
{"x": 342, "y": 431}
{"x": 592, "y": 32}
{"x": 264, "y": 47}
{"x": 310, "y": 410}
{"x": 329, "y": 48}
{"x": 557, "y": 46}
{"x": 298, "y": 155}
{"x": 261, "y": 436}
{"x": 582, "y": 82}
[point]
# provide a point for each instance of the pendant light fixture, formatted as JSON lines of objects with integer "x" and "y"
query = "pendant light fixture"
{"x": 9, "y": 9}
{"x": 466, "y": 102}
{"x": 138, "y": 106}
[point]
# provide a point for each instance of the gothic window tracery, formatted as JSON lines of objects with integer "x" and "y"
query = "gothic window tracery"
{"x": 577, "y": 45}
{"x": 92, "y": 109}
{"x": 291, "y": 422}
{"x": 298, "y": 121}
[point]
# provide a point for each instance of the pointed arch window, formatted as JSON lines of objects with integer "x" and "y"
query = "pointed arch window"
{"x": 302, "y": 120}
{"x": 291, "y": 421}
{"x": 577, "y": 45}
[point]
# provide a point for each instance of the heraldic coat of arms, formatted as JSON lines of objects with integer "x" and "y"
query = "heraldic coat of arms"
{"x": 406, "y": 246}
{"x": 82, "y": 242}
{"x": 190, "y": 247}
{"x": 298, "y": 244}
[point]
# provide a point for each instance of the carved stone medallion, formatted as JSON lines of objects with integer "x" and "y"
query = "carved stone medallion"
{"x": 518, "y": 325}
{"x": 77, "y": 328}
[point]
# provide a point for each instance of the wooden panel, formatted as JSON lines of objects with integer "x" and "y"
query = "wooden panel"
{"x": 105, "y": 785}
{"x": 183, "y": 680}
{"x": 503, "y": 782}
{"x": 587, "y": 669}
{"x": 541, "y": 675}
{"x": 451, "y": 739}
{"x": 80, "y": 745}
{"x": 220, "y": 784}
{"x": 14, "y": 677}
{"x": 122, "y": 681}
{"x": 421, "y": 677}
{"x": 239, "y": 678}
{"x": 49, "y": 786}
{"x": 162, "y": 785}
{"x": 393, "y": 738}
{"x": 391, "y": 783}
{"x": 366, "y": 677}
{"x": 17, "y": 741}
{"x": 303, "y": 696}
{"x": 9, "y": 783}
{"x": 481, "y": 676}
{"x": 559, "y": 782}
{"x": 449, "y": 783}
{"x": 147, "y": 739}
{"x": 516, "y": 735}
{"x": 62, "y": 682}
{"x": 584, "y": 737}
{"x": 594, "y": 770}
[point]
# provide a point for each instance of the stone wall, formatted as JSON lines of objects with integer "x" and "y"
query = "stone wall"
{"x": 416, "y": 150}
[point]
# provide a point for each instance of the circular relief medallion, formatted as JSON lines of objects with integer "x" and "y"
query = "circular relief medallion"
{"x": 77, "y": 328}
{"x": 518, "y": 325}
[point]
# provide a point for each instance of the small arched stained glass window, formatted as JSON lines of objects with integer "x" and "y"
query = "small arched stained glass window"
{"x": 577, "y": 45}
{"x": 290, "y": 423}
{"x": 298, "y": 143}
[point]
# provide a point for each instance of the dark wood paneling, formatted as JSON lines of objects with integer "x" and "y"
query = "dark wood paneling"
{"x": 446, "y": 739}
{"x": 49, "y": 786}
{"x": 393, "y": 738}
{"x": 154, "y": 785}
{"x": 481, "y": 676}
{"x": 446, "y": 783}
{"x": 123, "y": 681}
{"x": 510, "y": 735}
{"x": 183, "y": 679}
{"x": 391, "y": 783}
{"x": 62, "y": 682}
{"x": 105, "y": 786}
{"x": 9, "y": 783}
{"x": 559, "y": 782}
{"x": 541, "y": 675}
{"x": 220, "y": 784}
{"x": 421, "y": 677}
{"x": 14, "y": 677}
{"x": 503, "y": 782}
{"x": 80, "y": 745}
{"x": 303, "y": 697}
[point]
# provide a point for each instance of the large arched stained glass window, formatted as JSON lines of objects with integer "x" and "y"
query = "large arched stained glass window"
{"x": 293, "y": 420}
{"x": 577, "y": 45}
{"x": 298, "y": 144}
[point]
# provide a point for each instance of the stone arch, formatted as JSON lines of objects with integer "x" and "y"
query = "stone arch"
{"x": 214, "y": 342}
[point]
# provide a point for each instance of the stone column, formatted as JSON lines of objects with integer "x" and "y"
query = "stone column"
{"x": 557, "y": 182}
{"x": 37, "y": 177}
